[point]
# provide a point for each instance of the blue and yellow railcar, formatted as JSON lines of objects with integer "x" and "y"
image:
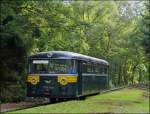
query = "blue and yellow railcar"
{"x": 62, "y": 74}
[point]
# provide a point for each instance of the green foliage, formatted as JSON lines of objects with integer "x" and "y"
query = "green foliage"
{"x": 15, "y": 44}
{"x": 108, "y": 30}
{"x": 145, "y": 28}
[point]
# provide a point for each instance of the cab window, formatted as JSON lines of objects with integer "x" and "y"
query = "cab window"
{"x": 40, "y": 66}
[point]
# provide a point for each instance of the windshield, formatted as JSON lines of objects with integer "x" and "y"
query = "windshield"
{"x": 53, "y": 66}
{"x": 39, "y": 66}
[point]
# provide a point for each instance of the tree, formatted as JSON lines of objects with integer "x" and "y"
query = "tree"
{"x": 15, "y": 44}
{"x": 110, "y": 30}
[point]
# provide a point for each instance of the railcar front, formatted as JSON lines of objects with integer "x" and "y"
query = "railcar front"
{"x": 53, "y": 78}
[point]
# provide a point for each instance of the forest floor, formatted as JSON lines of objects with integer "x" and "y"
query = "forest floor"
{"x": 127, "y": 100}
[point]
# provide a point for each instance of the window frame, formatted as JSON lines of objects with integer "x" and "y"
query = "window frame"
{"x": 72, "y": 61}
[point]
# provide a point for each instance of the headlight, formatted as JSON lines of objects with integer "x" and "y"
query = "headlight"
{"x": 33, "y": 79}
{"x": 63, "y": 80}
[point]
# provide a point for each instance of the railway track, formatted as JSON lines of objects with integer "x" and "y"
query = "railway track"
{"x": 29, "y": 103}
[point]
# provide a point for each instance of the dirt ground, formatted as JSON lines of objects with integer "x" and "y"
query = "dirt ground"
{"x": 24, "y": 104}
{"x": 12, "y": 106}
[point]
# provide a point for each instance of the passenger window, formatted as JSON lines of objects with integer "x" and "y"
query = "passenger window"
{"x": 40, "y": 66}
{"x": 84, "y": 67}
{"x": 96, "y": 68}
{"x": 62, "y": 66}
{"x": 89, "y": 68}
{"x": 105, "y": 70}
{"x": 101, "y": 70}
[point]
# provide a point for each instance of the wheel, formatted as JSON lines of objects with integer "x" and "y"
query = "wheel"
{"x": 81, "y": 98}
{"x": 61, "y": 99}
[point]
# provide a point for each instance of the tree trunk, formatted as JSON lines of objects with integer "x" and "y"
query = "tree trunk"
{"x": 125, "y": 77}
{"x": 119, "y": 75}
{"x": 132, "y": 79}
{"x": 140, "y": 76}
{"x": 133, "y": 72}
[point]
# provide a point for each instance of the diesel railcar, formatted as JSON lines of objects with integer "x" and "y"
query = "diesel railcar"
{"x": 62, "y": 74}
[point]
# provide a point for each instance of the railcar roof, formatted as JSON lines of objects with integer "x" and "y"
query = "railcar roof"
{"x": 67, "y": 54}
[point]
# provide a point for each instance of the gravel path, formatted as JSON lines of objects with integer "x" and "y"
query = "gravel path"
{"x": 24, "y": 104}
{"x": 13, "y": 106}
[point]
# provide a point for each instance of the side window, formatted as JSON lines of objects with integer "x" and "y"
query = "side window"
{"x": 92, "y": 68}
{"x": 84, "y": 67}
{"x": 89, "y": 67}
{"x": 105, "y": 70}
{"x": 95, "y": 69}
{"x": 100, "y": 69}
{"x": 72, "y": 67}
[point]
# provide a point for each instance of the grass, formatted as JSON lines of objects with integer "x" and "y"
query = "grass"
{"x": 121, "y": 101}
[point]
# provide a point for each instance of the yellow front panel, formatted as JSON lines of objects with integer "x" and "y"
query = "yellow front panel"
{"x": 33, "y": 79}
{"x": 72, "y": 79}
{"x": 64, "y": 80}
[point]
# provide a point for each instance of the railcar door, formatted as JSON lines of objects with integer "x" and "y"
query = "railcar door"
{"x": 80, "y": 78}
